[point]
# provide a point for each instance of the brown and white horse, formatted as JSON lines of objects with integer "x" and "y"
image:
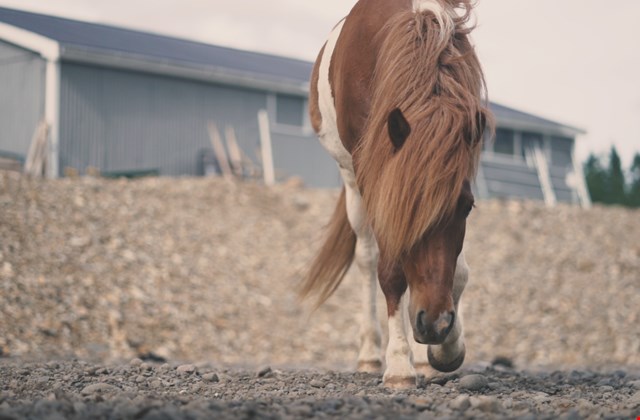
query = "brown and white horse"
{"x": 398, "y": 100}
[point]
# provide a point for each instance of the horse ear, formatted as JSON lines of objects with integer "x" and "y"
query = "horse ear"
{"x": 399, "y": 128}
{"x": 476, "y": 133}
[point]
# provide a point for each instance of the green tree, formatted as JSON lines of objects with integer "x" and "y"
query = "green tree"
{"x": 615, "y": 191}
{"x": 633, "y": 196}
{"x": 596, "y": 179}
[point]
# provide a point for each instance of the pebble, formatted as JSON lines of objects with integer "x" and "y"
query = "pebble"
{"x": 486, "y": 404}
{"x": 99, "y": 388}
{"x": 473, "y": 382}
{"x": 264, "y": 371}
{"x": 316, "y": 383}
{"x": 211, "y": 377}
{"x": 634, "y": 400}
{"x": 460, "y": 403}
{"x": 186, "y": 369}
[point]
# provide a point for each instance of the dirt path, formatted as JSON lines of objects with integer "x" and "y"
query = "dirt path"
{"x": 142, "y": 390}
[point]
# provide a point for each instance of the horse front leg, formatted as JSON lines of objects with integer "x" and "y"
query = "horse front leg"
{"x": 449, "y": 356}
{"x": 399, "y": 372}
{"x": 366, "y": 259}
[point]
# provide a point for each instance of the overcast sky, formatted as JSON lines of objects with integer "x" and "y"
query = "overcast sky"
{"x": 574, "y": 61}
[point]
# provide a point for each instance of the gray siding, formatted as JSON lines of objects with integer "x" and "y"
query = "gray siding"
{"x": 306, "y": 158}
{"x": 564, "y": 193}
{"x": 120, "y": 121}
{"x": 505, "y": 178}
{"x": 22, "y": 79}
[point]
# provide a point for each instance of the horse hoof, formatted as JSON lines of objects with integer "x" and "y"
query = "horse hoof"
{"x": 400, "y": 382}
{"x": 370, "y": 366}
{"x": 448, "y": 366}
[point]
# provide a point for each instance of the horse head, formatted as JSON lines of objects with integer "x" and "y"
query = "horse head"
{"x": 427, "y": 265}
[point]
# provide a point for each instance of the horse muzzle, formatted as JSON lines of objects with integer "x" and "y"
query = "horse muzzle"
{"x": 428, "y": 330}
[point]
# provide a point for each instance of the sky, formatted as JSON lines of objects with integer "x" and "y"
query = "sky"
{"x": 573, "y": 61}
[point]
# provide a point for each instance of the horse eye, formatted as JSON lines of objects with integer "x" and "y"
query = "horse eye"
{"x": 468, "y": 211}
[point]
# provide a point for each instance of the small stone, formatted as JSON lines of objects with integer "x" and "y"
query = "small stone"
{"x": 317, "y": 383}
{"x": 99, "y": 388}
{"x": 635, "y": 384}
{"x": 502, "y": 362}
{"x": 211, "y": 377}
{"x": 264, "y": 372}
{"x": 135, "y": 362}
{"x": 7, "y": 269}
{"x": 571, "y": 415}
{"x": 421, "y": 404}
{"x": 460, "y": 403}
{"x": 474, "y": 382}
{"x": 186, "y": 369}
{"x": 634, "y": 400}
{"x": 300, "y": 410}
{"x": 486, "y": 404}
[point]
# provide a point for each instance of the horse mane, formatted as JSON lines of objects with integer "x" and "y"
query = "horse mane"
{"x": 427, "y": 68}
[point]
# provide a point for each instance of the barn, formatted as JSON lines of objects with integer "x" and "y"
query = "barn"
{"x": 129, "y": 103}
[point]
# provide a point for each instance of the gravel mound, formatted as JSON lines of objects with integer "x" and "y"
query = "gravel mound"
{"x": 201, "y": 269}
{"x": 193, "y": 281}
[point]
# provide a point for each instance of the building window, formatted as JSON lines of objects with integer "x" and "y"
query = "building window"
{"x": 561, "y": 150}
{"x": 503, "y": 143}
{"x": 530, "y": 141}
{"x": 290, "y": 110}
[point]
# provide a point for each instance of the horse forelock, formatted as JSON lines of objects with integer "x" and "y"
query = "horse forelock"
{"x": 439, "y": 87}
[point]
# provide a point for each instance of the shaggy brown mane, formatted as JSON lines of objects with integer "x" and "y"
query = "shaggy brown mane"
{"x": 435, "y": 79}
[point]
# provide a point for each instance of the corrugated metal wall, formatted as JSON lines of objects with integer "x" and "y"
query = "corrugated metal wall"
{"x": 22, "y": 78}
{"x": 304, "y": 157}
{"x": 510, "y": 178}
{"x": 121, "y": 121}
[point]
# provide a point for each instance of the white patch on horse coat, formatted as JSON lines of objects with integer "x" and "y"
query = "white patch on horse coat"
{"x": 445, "y": 17}
{"x": 398, "y": 356}
{"x": 366, "y": 253}
{"x": 329, "y": 136}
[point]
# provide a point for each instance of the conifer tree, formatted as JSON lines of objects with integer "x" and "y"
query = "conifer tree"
{"x": 615, "y": 191}
{"x": 633, "y": 196}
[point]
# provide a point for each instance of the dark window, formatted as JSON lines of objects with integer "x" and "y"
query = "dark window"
{"x": 561, "y": 148}
{"x": 290, "y": 110}
{"x": 529, "y": 142}
{"x": 504, "y": 142}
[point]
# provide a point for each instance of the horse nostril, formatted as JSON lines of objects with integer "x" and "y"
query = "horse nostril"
{"x": 444, "y": 323}
{"x": 421, "y": 322}
{"x": 434, "y": 332}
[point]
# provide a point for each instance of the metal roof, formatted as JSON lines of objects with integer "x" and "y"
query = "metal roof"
{"x": 76, "y": 37}
{"x": 120, "y": 47}
{"x": 513, "y": 118}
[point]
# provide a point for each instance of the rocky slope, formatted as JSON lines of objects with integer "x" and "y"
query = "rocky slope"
{"x": 205, "y": 270}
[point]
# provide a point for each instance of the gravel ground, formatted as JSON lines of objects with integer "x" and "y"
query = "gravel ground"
{"x": 204, "y": 271}
{"x": 141, "y": 390}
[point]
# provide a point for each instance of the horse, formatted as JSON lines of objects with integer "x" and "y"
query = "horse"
{"x": 398, "y": 99}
